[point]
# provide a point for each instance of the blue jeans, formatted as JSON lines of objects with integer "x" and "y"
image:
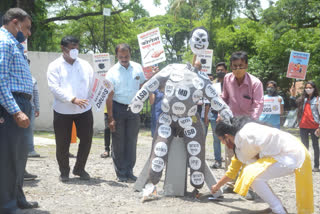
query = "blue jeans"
{"x": 216, "y": 141}
{"x": 29, "y": 137}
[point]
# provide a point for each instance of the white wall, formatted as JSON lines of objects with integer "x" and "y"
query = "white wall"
{"x": 39, "y": 65}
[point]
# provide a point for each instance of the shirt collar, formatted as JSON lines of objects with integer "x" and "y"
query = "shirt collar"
{"x": 245, "y": 81}
{"x": 122, "y": 67}
{"x": 12, "y": 38}
{"x": 63, "y": 60}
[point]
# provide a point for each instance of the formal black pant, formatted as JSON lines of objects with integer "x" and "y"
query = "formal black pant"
{"x": 13, "y": 156}
{"x": 106, "y": 133}
{"x": 62, "y": 124}
{"x": 124, "y": 139}
{"x": 304, "y": 134}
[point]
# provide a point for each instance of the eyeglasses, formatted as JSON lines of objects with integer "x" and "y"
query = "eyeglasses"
{"x": 237, "y": 67}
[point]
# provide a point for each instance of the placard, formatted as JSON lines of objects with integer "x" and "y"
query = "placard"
{"x": 151, "y": 47}
{"x": 99, "y": 91}
{"x": 271, "y": 105}
{"x": 101, "y": 63}
{"x": 206, "y": 61}
{"x": 298, "y": 65}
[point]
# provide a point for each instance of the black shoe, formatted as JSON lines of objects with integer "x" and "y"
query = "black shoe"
{"x": 227, "y": 189}
{"x": 250, "y": 195}
{"x": 29, "y": 177}
{"x": 106, "y": 154}
{"x": 71, "y": 155}
{"x": 122, "y": 179}
{"x": 82, "y": 173}
{"x": 132, "y": 178}
{"x": 64, "y": 178}
{"x": 28, "y": 205}
{"x": 216, "y": 165}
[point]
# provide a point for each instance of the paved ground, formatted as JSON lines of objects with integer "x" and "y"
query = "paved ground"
{"x": 103, "y": 194}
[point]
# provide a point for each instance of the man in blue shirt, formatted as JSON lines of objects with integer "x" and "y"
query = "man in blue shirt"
{"x": 127, "y": 77}
{"x": 15, "y": 110}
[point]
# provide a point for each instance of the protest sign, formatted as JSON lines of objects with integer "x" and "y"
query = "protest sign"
{"x": 147, "y": 72}
{"x": 206, "y": 60}
{"x": 271, "y": 105}
{"x": 151, "y": 47}
{"x": 298, "y": 65}
{"x": 101, "y": 63}
{"x": 99, "y": 91}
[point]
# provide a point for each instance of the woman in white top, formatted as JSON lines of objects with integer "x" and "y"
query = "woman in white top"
{"x": 265, "y": 153}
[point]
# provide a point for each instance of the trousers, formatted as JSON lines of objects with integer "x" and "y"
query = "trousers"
{"x": 13, "y": 156}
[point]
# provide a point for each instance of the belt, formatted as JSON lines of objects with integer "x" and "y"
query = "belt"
{"x": 124, "y": 105}
{"x": 24, "y": 95}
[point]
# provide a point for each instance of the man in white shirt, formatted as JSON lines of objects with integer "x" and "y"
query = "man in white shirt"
{"x": 69, "y": 79}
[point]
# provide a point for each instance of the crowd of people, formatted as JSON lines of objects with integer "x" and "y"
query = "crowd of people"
{"x": 267, "y": 149}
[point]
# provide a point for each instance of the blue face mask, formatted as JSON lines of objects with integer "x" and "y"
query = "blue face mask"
{"x": 20, "y": 37}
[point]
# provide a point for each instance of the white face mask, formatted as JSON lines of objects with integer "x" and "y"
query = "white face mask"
{"x": 74, "y": 53}
{"x": 309, "y": 90}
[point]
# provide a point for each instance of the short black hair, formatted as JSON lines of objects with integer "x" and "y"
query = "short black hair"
{"x": 123, "y": 47}
{"x": 273, "y": 83}
{"x": 239, "y": 55}
{"x": 15, "y": 13}
{"x": 65, "y": 41}
{"x": 222, "y": 64}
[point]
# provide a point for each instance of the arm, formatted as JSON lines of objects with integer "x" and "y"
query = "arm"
{"x": 36, "y": 99}
{"x": 152, "y": 98}
{"x": 206, "y": 112}
{"x": 6, "y": 97}
{"x": 231, "y": 174}
{"x": 257, "y": 99}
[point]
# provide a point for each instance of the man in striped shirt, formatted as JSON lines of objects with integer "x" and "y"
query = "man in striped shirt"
{"x": 15, "y": 110}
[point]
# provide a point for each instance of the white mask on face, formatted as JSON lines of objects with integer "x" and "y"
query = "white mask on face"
{"x": 74, "y": 53}
{"x": 309, "y": 90}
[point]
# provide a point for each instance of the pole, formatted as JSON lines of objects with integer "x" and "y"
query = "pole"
{"x": 104, "y": 35}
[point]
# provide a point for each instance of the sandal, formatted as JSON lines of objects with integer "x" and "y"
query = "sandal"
{"x": 105, "y": 154}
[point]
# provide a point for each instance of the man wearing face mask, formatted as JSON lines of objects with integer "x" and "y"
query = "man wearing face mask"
{"x": 242, "y": 92}
{"x": 15, "y": 110}
{"x": 69, "y": 79}
{"x": 211, "y": 115}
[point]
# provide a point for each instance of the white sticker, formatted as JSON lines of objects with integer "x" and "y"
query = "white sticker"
{"x": 174, "y": 118}
{"x": 152, "y": 85}
{"x": 190, "y": 132}
{"x": 142, "y": 95}
{"x": 182, "y": 92}
{"x": 197, "y": 95}
{"x": 217, "y": 103}
{"x": 194, "y": 163}
{"x": 203, "y": 75}
{"x": 165, "y": 105}
{"x": 226, "y": 114}
{"x": 194, "y": 148}
{"x": 165, "y": 119}
{"x": 166, "y": 71}
{"x": 197, "y": 178}
{"x": 193, "y": 110}
{"x": 185, "y": 122}
{"x": 164, "y": 131}
{"x": 178, "y": 108}
{"x": 169, "y": 89}
{"x": 136, "y": 106}
{"x": 157, "y": 164}
{"x": 198, "y": 83}
{"x": 210, "y": 91}
{"x": 161, "y": 149}
{"x": 177, "y": 76}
